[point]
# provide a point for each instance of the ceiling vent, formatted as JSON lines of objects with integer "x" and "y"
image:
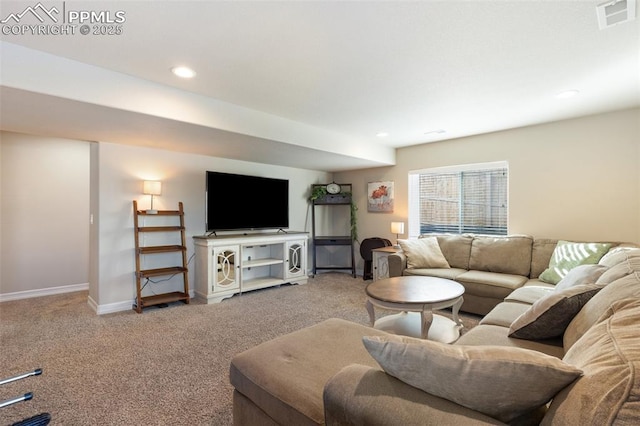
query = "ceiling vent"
{"x": 615, "y": 12}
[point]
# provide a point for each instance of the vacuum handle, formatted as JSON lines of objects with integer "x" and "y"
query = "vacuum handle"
{"x": 36, "y": 372}
{"x": 25, "y": 397}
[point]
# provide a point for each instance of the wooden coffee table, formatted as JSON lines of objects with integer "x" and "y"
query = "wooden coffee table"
{"x": 418, "y": 295}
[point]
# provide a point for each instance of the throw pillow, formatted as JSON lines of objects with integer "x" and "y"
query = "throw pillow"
{"x": 583, "y": 274}
{"x": 423, "y": 253}
{"x": 502, "y": 382}
{"x": 550, "y": 315}
{"x": 568, "y": 255}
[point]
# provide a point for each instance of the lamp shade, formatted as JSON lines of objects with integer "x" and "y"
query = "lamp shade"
{"x": 397, "y": 227}
{"x": 152, "y": 187}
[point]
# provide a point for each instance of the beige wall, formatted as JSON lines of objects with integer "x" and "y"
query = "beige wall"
{"x": 576, "y": 179}
{"x": 45, "y": 214}
{"x": 121, "y": 170}
{"x": 52, "y": 187}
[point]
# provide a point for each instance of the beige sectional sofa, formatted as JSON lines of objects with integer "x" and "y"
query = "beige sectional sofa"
{"x": 489, "y": 268}
{"x": 341, "y": 373}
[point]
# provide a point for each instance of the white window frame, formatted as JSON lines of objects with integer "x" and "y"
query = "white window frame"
{"x": 413, "y": 186}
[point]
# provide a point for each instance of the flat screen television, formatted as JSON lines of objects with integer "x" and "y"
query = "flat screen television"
{"x": 236, "y": 202}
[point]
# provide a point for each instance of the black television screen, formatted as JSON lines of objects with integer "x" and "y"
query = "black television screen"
{"x": 242, "y": 202}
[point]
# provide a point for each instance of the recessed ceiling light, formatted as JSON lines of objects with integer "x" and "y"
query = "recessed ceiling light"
{"x": 183, "y": 72}
{"x": 382, "y": 134}
{"x": 567, "y": 94}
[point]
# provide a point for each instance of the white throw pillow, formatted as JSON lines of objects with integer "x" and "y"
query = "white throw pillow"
{"x": 582, "y": 274}
{"x": 423, "y": 253}
{"x": 502, "y": 382}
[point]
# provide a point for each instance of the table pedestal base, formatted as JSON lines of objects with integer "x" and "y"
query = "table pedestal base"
{"x": 409, "y": 324}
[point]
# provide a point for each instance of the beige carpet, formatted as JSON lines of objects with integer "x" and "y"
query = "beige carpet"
{"x": 163, "y": 367}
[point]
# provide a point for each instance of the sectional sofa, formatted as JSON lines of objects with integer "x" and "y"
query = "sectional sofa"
{"x": 552, "y": 354}
{"x": 489, "y": 268}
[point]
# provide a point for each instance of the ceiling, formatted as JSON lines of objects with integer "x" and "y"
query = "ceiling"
{"x": 311, "y": 84}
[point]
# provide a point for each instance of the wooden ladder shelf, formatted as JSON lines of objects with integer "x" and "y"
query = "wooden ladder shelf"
{"x": 141, "y": 301}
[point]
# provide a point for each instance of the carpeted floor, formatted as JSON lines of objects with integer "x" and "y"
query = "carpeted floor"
{"x": 165, "y": 366}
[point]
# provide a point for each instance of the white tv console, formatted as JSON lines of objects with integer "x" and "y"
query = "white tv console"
{"x": 232, "y": 264}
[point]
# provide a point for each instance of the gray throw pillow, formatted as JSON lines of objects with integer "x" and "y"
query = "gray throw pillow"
{"x": 549, "y": 316}
{"x": 502, "y": 382}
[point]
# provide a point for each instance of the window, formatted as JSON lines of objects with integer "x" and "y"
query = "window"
{"x": 459, "y": 199}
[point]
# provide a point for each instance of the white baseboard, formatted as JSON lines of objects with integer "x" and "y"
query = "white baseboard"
{"x": 111, "y": 308}
{"x": 43, "y": 292}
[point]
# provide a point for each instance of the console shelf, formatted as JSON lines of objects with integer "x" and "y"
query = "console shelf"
{"x": 232, "y": 264}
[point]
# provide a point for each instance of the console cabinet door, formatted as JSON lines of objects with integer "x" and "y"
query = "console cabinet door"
{"x": 296, "y": 259}
{"x": 226, "y": 268}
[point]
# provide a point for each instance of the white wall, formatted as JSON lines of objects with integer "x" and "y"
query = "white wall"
{"x": 45, "y": 214}
{"x": 575, "y": 179}
{"x": 121, "y": 172}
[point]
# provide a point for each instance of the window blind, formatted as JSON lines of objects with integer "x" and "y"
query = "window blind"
{"x": 461, "y": 199}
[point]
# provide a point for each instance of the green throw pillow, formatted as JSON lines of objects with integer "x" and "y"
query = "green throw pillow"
{"x": 568, "y": 255}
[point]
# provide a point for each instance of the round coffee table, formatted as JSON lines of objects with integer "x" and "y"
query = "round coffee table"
{"x": 421, "y": 295}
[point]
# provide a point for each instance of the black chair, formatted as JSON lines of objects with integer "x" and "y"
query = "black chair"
{"x": 366, "y": 246}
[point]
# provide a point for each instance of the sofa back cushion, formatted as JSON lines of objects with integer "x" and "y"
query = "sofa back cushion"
{"x": 455, "y": 248}
{"x": 625, "y": 287}
{"x": 621, "y": 261}
{"x": 541, "y": 255}
{"x": 507, "y": 255}
{"x": 609, "y": 356}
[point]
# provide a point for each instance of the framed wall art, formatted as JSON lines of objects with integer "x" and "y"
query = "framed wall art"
{"x": 380, "y": 197}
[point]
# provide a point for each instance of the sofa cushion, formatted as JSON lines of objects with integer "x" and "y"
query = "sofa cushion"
{"x": 582, "y": 274}
{"x": 507, "y": 255}
{"x": 505, "y": 313}
{"x": 625, "y": 287}
{"x": 450, "y": 273}
{"x": 490, "y": 284}
{"x": 455, "y": 247}
{"x": 609, "y": 355}
{"x": 360, "y": 395}
{"x": 285, "y": 376}
{"x": 528, "y": 294}
{"x": 423, "y": 253}
{"x": 549, "y": 316}
{"x": 567, "y": 255}
{"x": 497, "y": 335}
{"x": 627, "y": 262}
{"x": 537, "y": 283}
{"x": 619, "y": 254}
{"x": 541, "y": 255}
{"x": 475, "y": 377}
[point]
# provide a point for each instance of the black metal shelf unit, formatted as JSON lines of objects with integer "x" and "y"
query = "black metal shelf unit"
{"x": 341, "y": 199}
